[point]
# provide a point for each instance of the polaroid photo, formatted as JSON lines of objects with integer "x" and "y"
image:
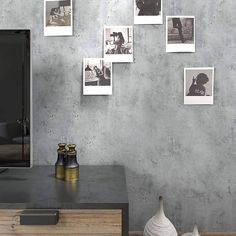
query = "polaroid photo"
{"x": 148, "y": 12}
{"x": 118, "y": 43}
{"x": 180, "y": 34}
{"x": 58, "y": 18}
{"x": 97, "y": 77}
{"x": 199, "y": 85}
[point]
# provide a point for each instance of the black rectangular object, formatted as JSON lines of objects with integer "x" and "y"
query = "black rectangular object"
{"x": 39, "y": 217}
{"x": 15, "y": 99}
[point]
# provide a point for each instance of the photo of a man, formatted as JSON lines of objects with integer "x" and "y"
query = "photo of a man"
{"x": 148, "y": 11}
{"x": 148, "y": 7}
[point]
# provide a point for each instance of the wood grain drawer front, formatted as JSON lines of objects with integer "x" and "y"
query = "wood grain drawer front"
{"x": 71, "y": 222}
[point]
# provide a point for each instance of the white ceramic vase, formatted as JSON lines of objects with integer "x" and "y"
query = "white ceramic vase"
{"x": 194, "y": 233}
{"x": 159, "y": 224}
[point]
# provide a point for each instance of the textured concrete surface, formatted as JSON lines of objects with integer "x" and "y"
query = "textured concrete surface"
{"x": 185, "y": 153}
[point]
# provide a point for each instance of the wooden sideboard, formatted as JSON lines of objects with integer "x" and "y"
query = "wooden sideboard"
{"x": 95, "y": 205}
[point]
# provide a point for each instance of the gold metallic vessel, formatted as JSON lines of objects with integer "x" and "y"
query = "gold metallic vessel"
{"x": 72, "y": 166}
{"x": 61, "y": 161}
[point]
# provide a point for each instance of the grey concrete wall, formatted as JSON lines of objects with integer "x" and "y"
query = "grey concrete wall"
{"x": 185, "y": 153}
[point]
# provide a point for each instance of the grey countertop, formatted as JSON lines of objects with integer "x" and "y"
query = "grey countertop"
{"x": 99, "y": 187}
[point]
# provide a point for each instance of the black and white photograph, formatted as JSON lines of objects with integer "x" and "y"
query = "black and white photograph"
{"x": 118, "y": 43}
{"x": 58, "y": 18}
{"x": 199, "y": 85}
{"x": 97, "y": 77}
{"x": 148, "y": 12}
{"x": 180, "y": 34}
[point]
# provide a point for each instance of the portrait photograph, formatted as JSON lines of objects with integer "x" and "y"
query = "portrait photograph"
{"x": 199, "y": 85}
{"x": 58, "y": 18}
{"x": 97, "y": 77}
{"x": 148, "y": 12}
{"x": 180, "y": 34}
{"x": 118, "y": 43}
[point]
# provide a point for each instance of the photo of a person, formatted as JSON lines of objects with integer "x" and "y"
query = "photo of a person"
{"x": 101, "y": 76}
{"x": 57, "y": 17}
{"x": 198, "y": 85}
{"x": 148, "y": 7}
{"x": 59, "y": 13}
{"x": 178, "y": 25}
{"x": 97, "y": 77}
{"x": 148, "y": 11}
{"x": 180, "y": 34}
{"x": 118, "y": 43}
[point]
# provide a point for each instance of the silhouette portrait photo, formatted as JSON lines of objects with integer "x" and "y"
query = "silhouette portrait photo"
{"x": 198, "y": 85}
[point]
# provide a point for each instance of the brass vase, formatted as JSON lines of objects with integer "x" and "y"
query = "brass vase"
{"x": 72, "y": 166}
{"x": 61, "y": 161}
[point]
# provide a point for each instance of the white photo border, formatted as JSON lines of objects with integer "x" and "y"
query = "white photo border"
{"x": 148, "y": 20}
{"x": 97, "y": 90}
{"x": 58, "y": 30}
{"x": 120, "y": 57}
{"x": 199, "y": 100}
{"x": 181, "y": 47}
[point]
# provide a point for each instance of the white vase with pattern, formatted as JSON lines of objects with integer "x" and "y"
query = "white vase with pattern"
{"x": 194, "y": 233}
{"x": 159, "y": 224}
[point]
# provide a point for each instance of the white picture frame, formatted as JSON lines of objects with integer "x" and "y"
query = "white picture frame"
{"x": 95, "y": 87}
{"x": 199, "y": 98}
{"x": 109, "y": 44}
{"x": 179, "y": 46}
{"x": 142, "y": 20}
{"x": 58, "y": 22}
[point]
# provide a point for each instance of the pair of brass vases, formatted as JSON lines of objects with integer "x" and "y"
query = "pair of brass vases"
{"x": 67, "y": 167}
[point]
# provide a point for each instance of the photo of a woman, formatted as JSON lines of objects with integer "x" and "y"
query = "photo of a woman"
{"x": 101, "y": 76}
{"x": 97, "y": 77}
{"x": 118, "y": 43}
